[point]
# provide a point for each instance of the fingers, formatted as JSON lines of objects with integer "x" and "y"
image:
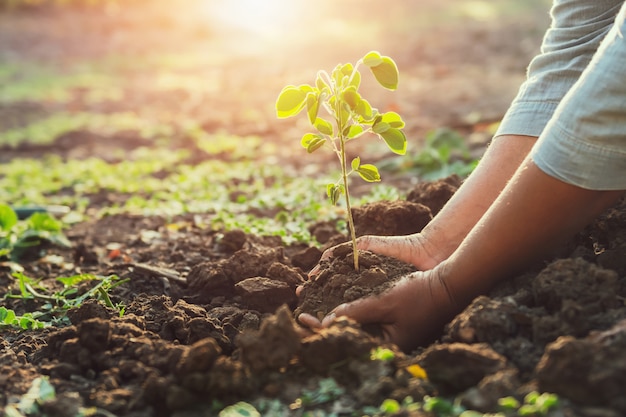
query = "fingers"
{"x": 328, "y": 253}
{"x": 309, "y": 321}
{"x": 363, "y": 243}
{"x": 366, "y": 310}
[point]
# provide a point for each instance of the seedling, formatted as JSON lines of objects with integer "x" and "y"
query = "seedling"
{"x": 57, "y": 303}
{"x": 351, "y": 117}
{"x": 17, "y": 237}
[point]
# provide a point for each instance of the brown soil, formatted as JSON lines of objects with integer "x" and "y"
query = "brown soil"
{"x": 209, "y": 316}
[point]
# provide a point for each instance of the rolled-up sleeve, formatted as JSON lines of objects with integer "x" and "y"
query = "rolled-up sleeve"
{"x": 577, "y": 29}
{"x": 584, "y": 142}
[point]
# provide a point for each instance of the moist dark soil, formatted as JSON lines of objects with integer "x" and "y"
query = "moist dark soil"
{"x": 209, "y": 317}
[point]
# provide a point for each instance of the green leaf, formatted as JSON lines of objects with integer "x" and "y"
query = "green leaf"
{"x": 372, "y": 59}
{"x": 353, "y": 131}
{"x": 390, "y": 406}
{"x": 334, "y": 192}
{"x": 7, "y": 316}
{"x": 323, "y": 126}
{"x": 355, "y": 163}
{"x": 240, "y": 409}
{"x": 312, "y": 142}
{"x": 395, "y": 140}
{"x": 290, "y": 101}
{"x": 381, "y": 127}
{"x": 312, "y": 106}
{"x": 368, "y": 172}
{"x": 320, "y": 83}
{"x": 75, "y": 279}
{"x": 364, "y": 109}
{"x": 346, "y": 69}
{"x": 393, "y": 119}
{"x": 44, "y": 222}
{"x": 386, "y": 73}
{"x": 509, "y": 403}
{"x": 351, "y": 97}
{"x": 356, "y": 80}
{"x": 382, "y": 354}
{"x": 40, "y": 391}
{"x": 341, "y": 74}
{"x": 8, "y": 218}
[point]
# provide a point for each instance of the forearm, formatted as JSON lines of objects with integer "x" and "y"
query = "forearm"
{"x": 455, "y": 220}
{"x": 534, "y": 213}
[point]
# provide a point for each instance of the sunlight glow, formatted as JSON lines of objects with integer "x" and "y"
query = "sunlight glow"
{"x": 479, "y": 10}
{"x": 260, "y": 17}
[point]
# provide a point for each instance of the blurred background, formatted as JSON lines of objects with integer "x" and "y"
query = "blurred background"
{"x": 224, "y": 61}
{"x": 144, "y": 79}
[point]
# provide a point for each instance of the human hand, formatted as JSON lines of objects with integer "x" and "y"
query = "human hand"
{"x": 412, "y": 249}
{"x": 410, "y": 313}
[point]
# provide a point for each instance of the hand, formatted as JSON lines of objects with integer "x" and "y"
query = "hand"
{"x": 413, "y": 249}
{"x": 410, "y": 313}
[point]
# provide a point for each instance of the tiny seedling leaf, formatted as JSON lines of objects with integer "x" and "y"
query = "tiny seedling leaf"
{"x": 44, "y": 221}
{"x": 320, "y": 83}
{"x": 381, "y": 127}
{"x": 312, "y": 106}
{"x": 386, "y": 73}
{"x": 395, "y": 140}
{"x": 353, "y": 131}
{"x": 290, "y": 101}
{"x": 372, "y": 59}
{"x": 364, "y": 109}
{"x": 356, "y": 80}
{"x": 351, "y": 97}
{"x": 390, "y": 406}
{"x": 312, "y": 142}
{"x": 8, "y": 218}
{"x": 355, "y": 163}
{"x": 323, "y": 126}
{"x": 334, "y": 192}
{"x": 368, "y": 172}
{"x": 393, "y": 119}
{"x": 240, "y": 409}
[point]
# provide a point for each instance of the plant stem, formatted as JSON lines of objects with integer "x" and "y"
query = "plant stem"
{"x": 344, "y": 174}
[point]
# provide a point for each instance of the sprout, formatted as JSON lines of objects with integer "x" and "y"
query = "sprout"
{"x": 351, "y": 117}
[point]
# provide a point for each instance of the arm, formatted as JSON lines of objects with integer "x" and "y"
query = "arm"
{"x": 445, "y": 232}
{"x": 533, "y": 213}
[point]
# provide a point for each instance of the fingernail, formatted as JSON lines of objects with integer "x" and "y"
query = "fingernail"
{"x": 329, "y": 319}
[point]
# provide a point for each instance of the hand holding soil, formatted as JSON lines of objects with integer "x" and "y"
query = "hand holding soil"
{"x": 412, "y": 249}
{"x": 410, "y": 312}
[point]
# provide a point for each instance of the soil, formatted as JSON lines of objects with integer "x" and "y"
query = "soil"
{"x": 209, "y": 316}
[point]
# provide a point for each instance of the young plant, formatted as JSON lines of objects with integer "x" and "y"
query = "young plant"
{"x": 18, "y": 238}
{"x": 351, "y": 117}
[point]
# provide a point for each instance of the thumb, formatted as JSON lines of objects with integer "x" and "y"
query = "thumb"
{"x": 366, "y": 310}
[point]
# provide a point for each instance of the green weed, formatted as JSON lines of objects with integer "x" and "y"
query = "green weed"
{"x": 54, "y": 305}
{"x": 445, "y": 152}
{"x": 27, "y": 321}
{"x": 21, "y": 238}
{"x": 46, "y": 131}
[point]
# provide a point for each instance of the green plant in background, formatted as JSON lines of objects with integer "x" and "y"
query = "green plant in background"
{"x": 352, "y": 117}
{"x": 30, "y": 403}
{"x": 27, "y": 321}
{"x": 445, "y": 153}
{"x": 328, "y": 390}
{"x": 18, "y": 237}
{"x": 57, "y": 303}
